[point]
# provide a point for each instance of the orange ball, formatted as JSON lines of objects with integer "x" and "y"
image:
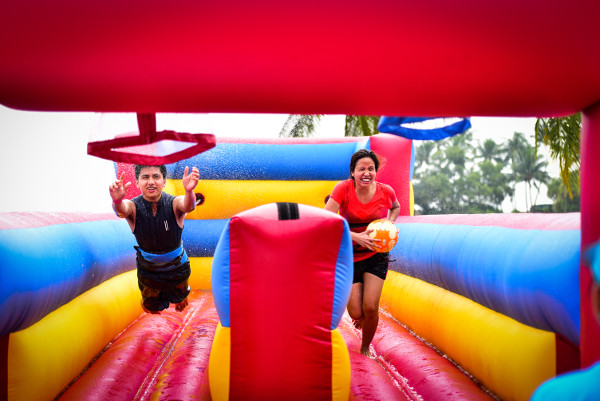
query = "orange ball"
{"x": 385, "y": 231}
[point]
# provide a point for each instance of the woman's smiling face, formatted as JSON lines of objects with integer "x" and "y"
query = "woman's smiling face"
{"x": 364, "y": 173}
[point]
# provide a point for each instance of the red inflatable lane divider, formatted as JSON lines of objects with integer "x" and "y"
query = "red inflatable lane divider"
{"x": 422, "y": 368}
{"x": 165, "y": 354}
{"x": 282, "y": 291}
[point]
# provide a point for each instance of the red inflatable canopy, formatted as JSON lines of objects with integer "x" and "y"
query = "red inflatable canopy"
{"x": 382, "y": 57}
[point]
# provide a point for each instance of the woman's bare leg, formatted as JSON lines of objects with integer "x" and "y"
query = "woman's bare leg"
{"x": 370, "y": 308}
{"x": 355, "y": 304}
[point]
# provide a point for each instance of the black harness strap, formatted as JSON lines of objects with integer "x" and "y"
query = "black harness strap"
{"x": 287, "y": 211}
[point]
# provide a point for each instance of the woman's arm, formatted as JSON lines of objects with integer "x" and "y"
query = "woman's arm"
{"x": 394, "y": 211}
{"x": 332, "y": 205}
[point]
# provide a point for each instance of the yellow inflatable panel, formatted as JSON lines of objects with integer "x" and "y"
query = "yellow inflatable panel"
{"x": 411, "y": 199}
{"x": 47, "y": 356}
{"x": 340, "y": 368}
{"x": 507, "y": 357}
{"x": 219, "y": 364}
{"x": 226, "y": 198}
{"x": 200, "y": 276}
{"x": 220, "y": 357}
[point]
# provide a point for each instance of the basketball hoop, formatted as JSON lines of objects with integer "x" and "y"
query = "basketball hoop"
{"x": 132, "y": 148}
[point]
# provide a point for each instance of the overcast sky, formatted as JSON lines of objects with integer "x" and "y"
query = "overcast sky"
{"x": 44, "y": 155}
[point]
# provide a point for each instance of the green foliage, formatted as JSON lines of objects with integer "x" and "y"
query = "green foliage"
{"x": 496, "y": 184}
{"x": 564, "y": 200}
{"x": 456, "y": 176}
{"x": 423, "y": 153}
{"x": 531, "y": 170}
{"x": 300, "y": 125}
{"x": 361, "y": 125}
{"x": 513, "y": 147}
{"x": 304, "y": 125}
{"x": 490, "y": 150}
{"x": 449, "y": 180}
{"x": 435, "y": 194}
{"x": 562, "y": 136}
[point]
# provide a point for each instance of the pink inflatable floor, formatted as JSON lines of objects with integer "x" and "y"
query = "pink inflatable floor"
{"x": 166, "y": 357}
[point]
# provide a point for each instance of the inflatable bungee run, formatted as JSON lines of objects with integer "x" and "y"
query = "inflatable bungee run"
{"x": 474, "y": 307}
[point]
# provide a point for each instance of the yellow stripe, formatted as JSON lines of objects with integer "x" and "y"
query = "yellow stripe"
{"x": 411, "y": 199}
{"x": 200, "y": 276}
{"x": 340, "y": 368}
{"x": 509, "y": 358}
{"x": 219, "y": 364}
{"x": 220, "y": 357}
{"x": 45, "y": 357}
{"x": 226, "y": 198}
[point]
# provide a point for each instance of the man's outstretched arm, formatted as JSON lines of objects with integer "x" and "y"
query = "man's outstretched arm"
{"x": 187, "y": 203}
{"x": 122, "y": 207}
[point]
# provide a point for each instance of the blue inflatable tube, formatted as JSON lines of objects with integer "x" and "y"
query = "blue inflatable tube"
{"x": 395, "y": 125}
{"x": 200, "y": 237}
{"x": 43, "y": 268}
{"x": 292, "y": 162}
{"x": 519, "y": 273}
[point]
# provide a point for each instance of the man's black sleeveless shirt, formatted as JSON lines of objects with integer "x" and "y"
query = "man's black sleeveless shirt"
{"x": 160, "y": 233}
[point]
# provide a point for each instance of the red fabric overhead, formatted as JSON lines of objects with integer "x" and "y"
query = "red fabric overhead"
{"x": 384, "y": 57}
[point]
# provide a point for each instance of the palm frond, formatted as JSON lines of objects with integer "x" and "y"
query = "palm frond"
{"x": 562, "y": 136}
{"x": 361, "y": 125}
{"x": 300, "y": 125}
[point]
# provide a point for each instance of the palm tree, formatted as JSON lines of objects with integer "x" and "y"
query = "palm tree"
{"x": 496, "y": 183}
{"x": 301, "y": 125}
{"x": 531, "y": 170}
{"x": 562, "y": 135}
{"x": 423, "y": 153}
{"x": 361, "y": 125}
{"x": 563, "y": 202}
{"x": 490, "y": 150}
{"x": 517, "y": 144}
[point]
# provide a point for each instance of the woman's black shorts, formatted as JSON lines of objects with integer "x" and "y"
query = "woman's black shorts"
{"x": 376, "y": 265}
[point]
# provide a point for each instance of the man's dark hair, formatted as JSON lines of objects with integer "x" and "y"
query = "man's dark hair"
{"x": 138, "y": 169}
{"x": 360, "y": 154}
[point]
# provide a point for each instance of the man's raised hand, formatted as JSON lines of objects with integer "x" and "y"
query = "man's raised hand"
{"x": 190, "y": 181}
{"x": 118, "y": 190}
